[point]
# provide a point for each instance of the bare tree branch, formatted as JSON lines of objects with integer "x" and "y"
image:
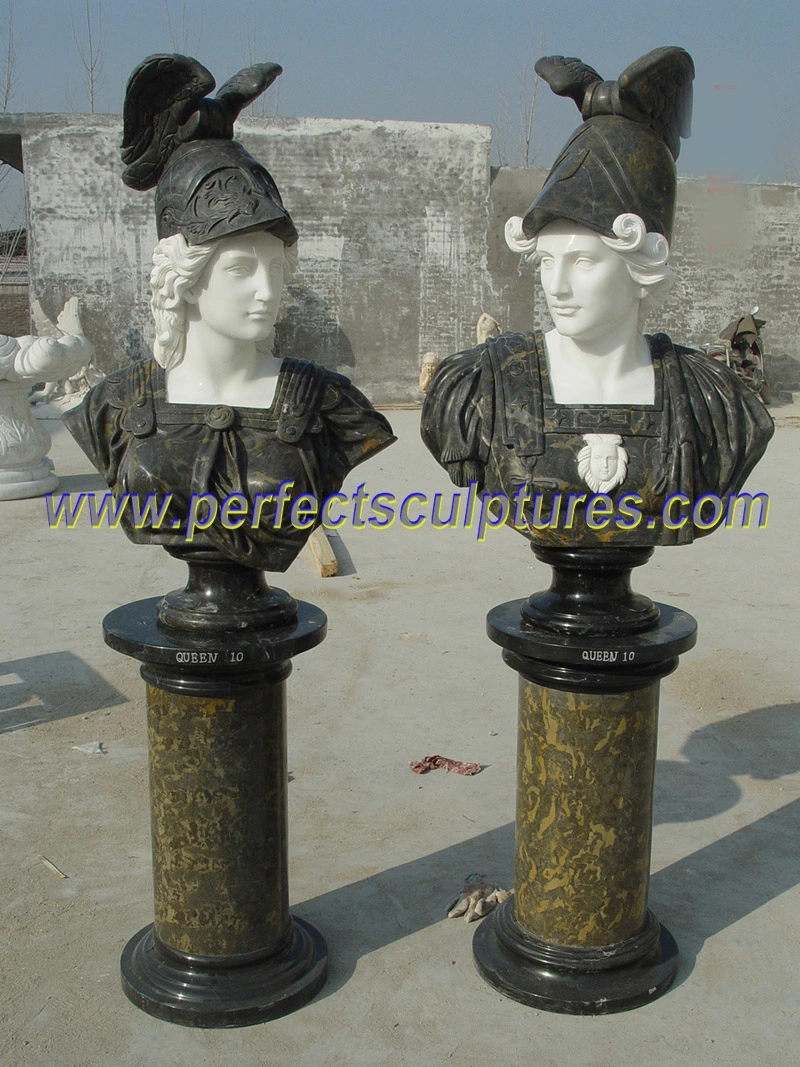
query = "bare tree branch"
{"x": 9, "y": 79}
{"x": 90, "y": 49}
{"x": 172, "y": 43}
{"x": 255, "y": 51}
{"x": 182, "y": 41}
{"x": 515, "y": 141}
{"x": 69, "y": 93}
{"x": 502, "y": 129}
{"x": 528, "y": 85}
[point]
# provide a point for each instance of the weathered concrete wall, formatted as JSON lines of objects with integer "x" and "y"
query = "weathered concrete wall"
{"x": 392, "y": 221}
{"x": 734, "y": 246}
{"x": 401, "y": 242}
{"x": 88, "y": 235}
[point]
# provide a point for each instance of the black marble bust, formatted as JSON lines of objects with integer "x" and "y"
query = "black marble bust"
{"x": 217, "y": 412}
{"x": 595, "y": 409}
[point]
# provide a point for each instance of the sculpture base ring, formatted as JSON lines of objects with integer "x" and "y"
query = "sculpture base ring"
{"x": 223, "y": 996}
{"x": 573, "y": 981}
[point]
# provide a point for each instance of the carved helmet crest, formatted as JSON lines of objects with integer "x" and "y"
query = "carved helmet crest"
{"x": 622, "y": 158}
{"x": 180, "y": 140}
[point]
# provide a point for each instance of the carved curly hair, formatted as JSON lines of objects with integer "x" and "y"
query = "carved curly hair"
{"x": 646, "y": 255}
{"x": 177, "y": 267}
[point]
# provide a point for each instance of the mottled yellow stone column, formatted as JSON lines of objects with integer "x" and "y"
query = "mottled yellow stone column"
{"x": 585, "y": 767}
{"x": 218, "y": 809}
{"x": 224, "y": 949}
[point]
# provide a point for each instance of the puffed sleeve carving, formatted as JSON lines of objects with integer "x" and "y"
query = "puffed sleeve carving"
{"x": 716, "y": 428}
{"x": 457, "y": 417}
{"x": 353, "y": 429}
{"x": 728, "y": 425}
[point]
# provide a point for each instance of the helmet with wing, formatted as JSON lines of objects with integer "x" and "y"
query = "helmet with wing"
{"x": 622, "y": 158}
{"x": 180, "y": 140}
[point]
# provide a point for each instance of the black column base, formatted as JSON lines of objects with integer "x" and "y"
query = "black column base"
{"x": 223, "y": 993}
{"x": 573, "y": 981}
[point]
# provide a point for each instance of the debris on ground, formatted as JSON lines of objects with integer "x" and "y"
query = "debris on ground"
{"x": 51, "y": 866}
{"x": 430, "y": 763}
{"x": 478, "y": 896}
{"x": 91, "y": 748}
{"x": 323, "y": 553}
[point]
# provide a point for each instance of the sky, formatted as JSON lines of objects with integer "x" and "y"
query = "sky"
{"x": 437, "y": 61}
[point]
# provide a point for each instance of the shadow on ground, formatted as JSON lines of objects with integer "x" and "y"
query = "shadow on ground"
{"x": 700, "y": 895}
{"x": 713, "y": 888}
{"x": 763, "y": 744}
{"x": 374, "y": 912}
{"x": 55, "y": 685}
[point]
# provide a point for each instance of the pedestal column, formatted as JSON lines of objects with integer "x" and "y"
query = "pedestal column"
{"x": 218, "y": 814}
{"x": 584, "y": 813}
{"x": 25, "y": 469}
{"x": 577, "y": 935}
{"x": 223, "y": 950}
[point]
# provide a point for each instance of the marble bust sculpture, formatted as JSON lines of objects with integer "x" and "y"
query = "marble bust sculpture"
{"x": 218, "y": 410}
{"x": 594, "y": 406}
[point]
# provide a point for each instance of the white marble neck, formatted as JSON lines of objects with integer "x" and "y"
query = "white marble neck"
{"x": 222, "y": 370}
{"x": 614, "y": 369}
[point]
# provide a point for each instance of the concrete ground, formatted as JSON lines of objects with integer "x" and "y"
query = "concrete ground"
{"x": 376, "y": 852}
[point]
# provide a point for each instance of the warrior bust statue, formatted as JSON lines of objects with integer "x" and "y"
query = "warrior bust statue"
{"x": 218, "y": 412}
{"x": 594, "y": 406}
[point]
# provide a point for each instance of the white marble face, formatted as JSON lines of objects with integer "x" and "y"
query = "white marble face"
{"x": 603, "y": 462}
{"x": 240, "y": 290}
{"x": 588, "y": 289}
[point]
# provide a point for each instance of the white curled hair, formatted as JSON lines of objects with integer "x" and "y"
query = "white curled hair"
{"x": 177, "y": 268}
{"x": 646, "y": 254}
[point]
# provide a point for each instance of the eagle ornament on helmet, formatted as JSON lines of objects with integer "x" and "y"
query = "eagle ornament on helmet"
{"x": 621, "y": 159}
{"x": 180, "y": 140}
